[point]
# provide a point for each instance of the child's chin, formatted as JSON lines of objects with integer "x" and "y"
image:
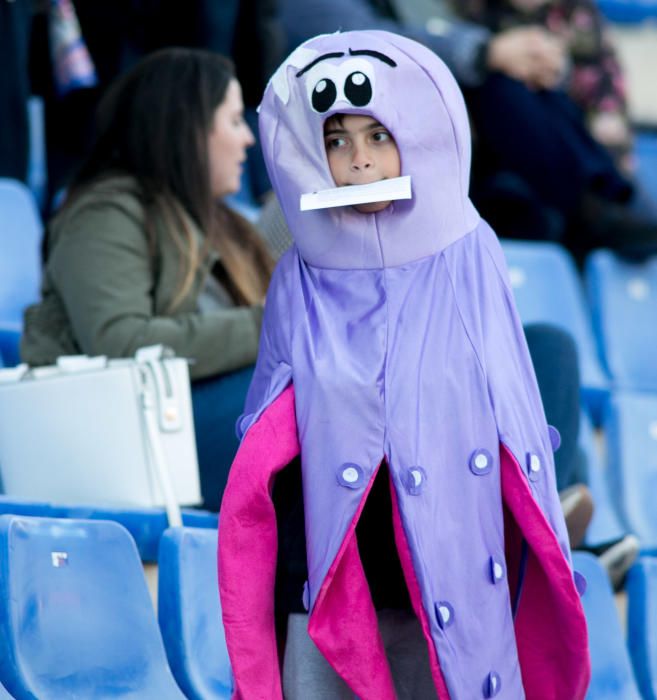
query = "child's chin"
{"x": 371, "y": 208}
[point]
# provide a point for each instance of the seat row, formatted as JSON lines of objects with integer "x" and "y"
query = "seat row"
{"x": 77, "y": 618}
{"x": 145, "y": 525}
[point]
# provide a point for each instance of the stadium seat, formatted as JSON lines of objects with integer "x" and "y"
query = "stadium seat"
{"x": 605, "y": 525}
{"x": 547, "y": 289}
{"x": 641, "y": 587}
{"x": 190, "y": 613}
{"x": 611, "y": 670}
{"x": 37, "y": 169}
{"x": 76, "y": 614}
{"x": 20, "y": 262}
{"x": 645, "y": 146}
{"x": 631, "y": 430}
{"x": 628, "y": 11}
{"x": 624, "y": 306}
{"x": 146, "y": 525}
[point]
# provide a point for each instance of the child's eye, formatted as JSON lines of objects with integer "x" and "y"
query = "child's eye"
{"x": 381, "y": 136}
{"x": 336, "y": 142}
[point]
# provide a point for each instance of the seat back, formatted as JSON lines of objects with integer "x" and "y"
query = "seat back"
{"x": 77, "y": 615}
{"x": 145, "y": 525}
{"x": 611, "y": 671}
{"x": 37, "y": 170}
{"x": 641, "y": 587}
{"x": 631, "y": 430}
{"x": 190, "y": 613}
{"x": 20, "y": 262}
{"x": 547, "y": 289}
{"x": 20, "y": 241}
{"x": 605, "y": 525}
{"x": 624, "y": 305}
{"x": 645, "y": 146}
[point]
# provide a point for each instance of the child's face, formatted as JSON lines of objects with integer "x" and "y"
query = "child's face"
{"x": 360, "y": 150}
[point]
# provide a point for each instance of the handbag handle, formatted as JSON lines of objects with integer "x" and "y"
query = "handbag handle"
{"x": 148, "y": 403}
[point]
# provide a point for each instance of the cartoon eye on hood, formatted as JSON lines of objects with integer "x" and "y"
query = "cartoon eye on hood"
{"x": 350, "y": 83}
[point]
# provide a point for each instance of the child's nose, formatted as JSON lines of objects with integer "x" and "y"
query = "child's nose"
{"x": 362, "y": 159}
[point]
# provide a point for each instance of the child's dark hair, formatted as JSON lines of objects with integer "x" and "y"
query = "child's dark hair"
{"x": 334, "y": 120}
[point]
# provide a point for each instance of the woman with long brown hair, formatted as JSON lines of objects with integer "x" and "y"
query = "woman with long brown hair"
{"x": 144, "y": 250}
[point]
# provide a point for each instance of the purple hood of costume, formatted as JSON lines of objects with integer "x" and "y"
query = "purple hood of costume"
{"x": 418, "y": 101}
{"x": 399, "y": 335}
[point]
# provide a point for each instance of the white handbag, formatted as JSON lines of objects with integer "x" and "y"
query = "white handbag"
{"x": 93, "y": 431}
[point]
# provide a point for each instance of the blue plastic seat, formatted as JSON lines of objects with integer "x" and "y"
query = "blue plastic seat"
{"x": 611, "y": 670}
{"x": 146, "y": 525}
{"x": 628, "y": 11}
{"x": 37, "y": 174}
{"x": 76, "y": 615}
{"x": 190, "y": 613}
{"x": 624, "y": 305}
{"x": 547, "y": 289}
{"x": 605, "y": 526}
{"x": 20, "y": 262}
{"x": 641, "y": 587}
{"x": 645, "y": 146}
{"x": 631, "y": 430}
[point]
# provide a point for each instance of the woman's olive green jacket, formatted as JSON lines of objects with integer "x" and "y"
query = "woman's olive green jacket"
{"x": 105, "y": 292}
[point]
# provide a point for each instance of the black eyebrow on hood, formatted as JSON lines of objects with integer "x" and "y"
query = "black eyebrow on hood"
{"x": 323, "y": 57}
{"x": 352, "y": 52}
{"x": 374, "y": 54}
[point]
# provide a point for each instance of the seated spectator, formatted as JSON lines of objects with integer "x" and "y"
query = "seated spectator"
{"x": 594, "y": 81}
{"x": 144, "y": 251}
{"x": 554, "y": 79}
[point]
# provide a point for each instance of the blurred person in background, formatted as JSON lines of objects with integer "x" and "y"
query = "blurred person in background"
{"x": 553, "y": 139}
{"x": 144, "y": 251}
{"x": 593, "y": 78}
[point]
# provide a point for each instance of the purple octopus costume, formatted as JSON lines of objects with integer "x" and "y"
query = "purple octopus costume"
{"x": 391, "y": 340}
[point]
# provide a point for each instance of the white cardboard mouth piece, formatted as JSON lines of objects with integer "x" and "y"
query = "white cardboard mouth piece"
{"x": 348, "y": 196}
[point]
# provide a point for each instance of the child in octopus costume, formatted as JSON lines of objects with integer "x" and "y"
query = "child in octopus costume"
{"x": 391, "y": 342}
